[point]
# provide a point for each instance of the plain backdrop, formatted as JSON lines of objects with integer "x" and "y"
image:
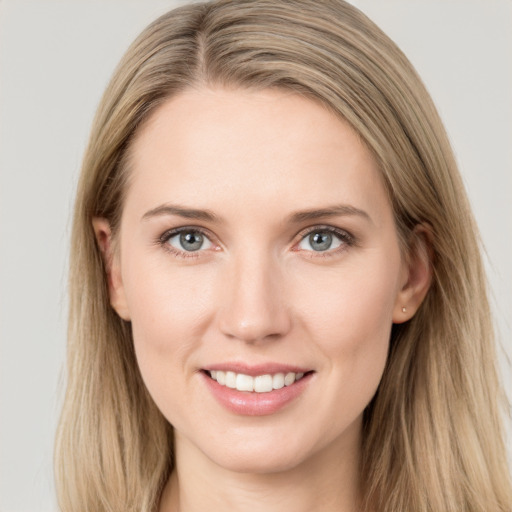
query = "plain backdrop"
{"x": 55, "y": 60}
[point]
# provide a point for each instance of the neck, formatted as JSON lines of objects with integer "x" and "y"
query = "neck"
{"x": 327, "y": 481}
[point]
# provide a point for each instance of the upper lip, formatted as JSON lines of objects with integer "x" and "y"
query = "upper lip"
{"x": 256, "y": 369}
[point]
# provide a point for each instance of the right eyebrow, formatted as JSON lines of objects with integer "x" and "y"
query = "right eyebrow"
{"x": 181, "y": 211}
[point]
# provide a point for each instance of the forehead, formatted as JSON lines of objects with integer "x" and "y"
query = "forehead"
{"x": 226, "y": 147}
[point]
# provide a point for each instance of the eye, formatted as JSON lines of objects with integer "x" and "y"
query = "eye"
{"x": 188, "y": 240}
{"x": 324, "y": 239}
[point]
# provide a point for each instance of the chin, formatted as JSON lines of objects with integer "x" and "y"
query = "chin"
{"x": 263, "y": 453}
{"x": 258, "y": 463}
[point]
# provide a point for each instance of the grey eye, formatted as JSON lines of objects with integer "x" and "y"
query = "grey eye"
{"x": 320, "y": 240}
{"x": 190, "y": 241}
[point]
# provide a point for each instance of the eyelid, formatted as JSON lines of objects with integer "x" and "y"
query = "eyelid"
{"x": 164, "y": 238}
{"x": 346, "y": 237}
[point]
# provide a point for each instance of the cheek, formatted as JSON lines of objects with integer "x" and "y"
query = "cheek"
{"x": 168, "y": 305}
{"x": 348, "y": 315}
{"x": 168, "y": 309}
{"x": 349, "y": 319}
{"x": 350, "y": 309}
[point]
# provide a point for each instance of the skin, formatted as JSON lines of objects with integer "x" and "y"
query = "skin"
{"x": 257, "y": 292}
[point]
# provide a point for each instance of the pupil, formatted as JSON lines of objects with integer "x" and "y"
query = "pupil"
{"x": 191, "y": 241}
{"x": 320, "y": 241}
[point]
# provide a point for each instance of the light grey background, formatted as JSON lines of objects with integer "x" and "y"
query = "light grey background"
{"x": 55, "y": 60}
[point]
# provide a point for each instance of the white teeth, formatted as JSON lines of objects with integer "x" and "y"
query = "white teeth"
{"x": 259, "y": 384}
{"x": 289, "y": 379}
{"x": 244, "y": 382}
{"x": 263, "y": 383}
{"x": 278, "y": 381}
{"x": 220, "y": 377}
{"x": 231, "y": 380}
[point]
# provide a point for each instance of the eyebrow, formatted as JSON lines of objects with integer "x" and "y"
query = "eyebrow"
{"x": 331, "y": 211}
{"x": 181, "y": 211}
{"x": 294, "y": 218}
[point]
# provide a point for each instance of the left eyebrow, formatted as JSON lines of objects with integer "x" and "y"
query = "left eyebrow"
{"x": 331, "y": 211}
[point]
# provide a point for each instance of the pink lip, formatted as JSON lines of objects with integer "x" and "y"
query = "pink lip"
{"x": 251, "y": 403}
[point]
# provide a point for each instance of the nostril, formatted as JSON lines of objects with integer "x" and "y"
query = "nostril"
{"x": 265, "y": 325}
{"x": 253, "y": 308}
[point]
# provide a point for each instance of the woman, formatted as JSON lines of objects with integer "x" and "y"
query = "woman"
{"x": 277, "y": 298}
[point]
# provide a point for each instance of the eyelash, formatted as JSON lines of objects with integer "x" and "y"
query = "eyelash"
{"x": 347, "y": 240}
{"x": 165, "y": 237}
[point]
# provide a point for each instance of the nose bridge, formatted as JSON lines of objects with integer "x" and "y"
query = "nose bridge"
{"x": 254, "y": 307}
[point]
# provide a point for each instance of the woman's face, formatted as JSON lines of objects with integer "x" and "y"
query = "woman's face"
{"x": 257, "y": 249}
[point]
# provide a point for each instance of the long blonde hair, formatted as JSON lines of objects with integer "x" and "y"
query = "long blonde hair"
{"x": 432, "y": 437}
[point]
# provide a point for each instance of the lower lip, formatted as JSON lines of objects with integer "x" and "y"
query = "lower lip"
{"x": 256, "y": 404}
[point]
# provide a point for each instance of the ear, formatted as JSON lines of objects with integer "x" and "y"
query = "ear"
{"x": 110, "y": 257}
{"x": 416, "y": 275}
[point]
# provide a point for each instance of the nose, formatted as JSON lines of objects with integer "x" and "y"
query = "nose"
{"x": 254, "y": 307}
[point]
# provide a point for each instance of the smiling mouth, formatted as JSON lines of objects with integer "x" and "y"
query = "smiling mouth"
{"x": 257, "y": 384}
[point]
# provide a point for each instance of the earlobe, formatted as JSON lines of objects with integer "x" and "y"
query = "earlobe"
{"x": 417, "y": 275}
{"x": 103, "y": 235}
